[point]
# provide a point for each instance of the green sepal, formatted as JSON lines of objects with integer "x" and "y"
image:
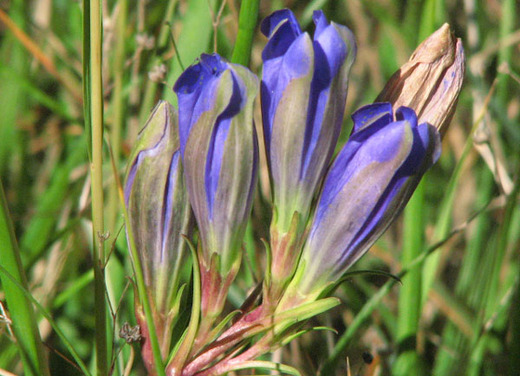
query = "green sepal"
{"x": 293, "y": 336}
{"x": 327, "y": 291}
{"x": 269, "y": 259}
{"x": 262, "y": 364}
{"x": 173, "y": 314}
{"x": 279, "y": 322}
{"x": 285, "y": 255}
{"x": 303, "y": 312}
{"x": 220, "y": 326}
{"x": 183, "y": 347}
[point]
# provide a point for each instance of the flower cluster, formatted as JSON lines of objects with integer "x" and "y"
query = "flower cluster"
{"x": 327, "y": 212}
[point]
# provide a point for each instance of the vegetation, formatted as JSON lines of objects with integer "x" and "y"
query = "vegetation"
{"x": 68, "y": 119}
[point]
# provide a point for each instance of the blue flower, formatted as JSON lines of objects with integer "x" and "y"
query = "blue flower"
{"x": 220, "y": 152}
{"x": 367, "y": 186}
{"x": 157, "y": 202}
{"x": 158, "y": 214}
{"x": 303, "y": 92}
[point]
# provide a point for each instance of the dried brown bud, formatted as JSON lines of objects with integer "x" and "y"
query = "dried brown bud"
{"x": 430, "y": 82}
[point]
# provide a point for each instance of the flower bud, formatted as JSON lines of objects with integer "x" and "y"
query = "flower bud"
{"x": 220, "y": 154}
{"x": 430, "y": 82}
{"x": 367, "y": 186}
{"x": 304, "y": 89}
{"x": 158, "y": 212}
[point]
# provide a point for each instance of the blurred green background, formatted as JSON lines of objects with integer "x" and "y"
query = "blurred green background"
{"x": 456, "y": 313}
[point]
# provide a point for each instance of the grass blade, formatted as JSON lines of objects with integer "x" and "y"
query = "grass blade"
{"x": 151, "y": 86}
{"x": 410, "y": 292}
{"x": 194, "y": 39}
{"x": 93, "y": 110}
{"x": 24, "y": 320}
{"x": 45, "y": 314}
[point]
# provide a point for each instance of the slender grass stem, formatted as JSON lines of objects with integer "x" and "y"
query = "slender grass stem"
{"x": 118, "y": 108}
{"x": 114, "y": 280}
{"x": 410, "y": 299}
{"x": 151, "y": 86}
{"x": 93, "y": 102}
{"x": 507, "y": 26}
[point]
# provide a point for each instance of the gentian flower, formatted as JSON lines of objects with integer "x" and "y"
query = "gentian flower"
{"x": 367, "y": 186}
{"x": 158, "y": 215}
{"x": 303, "y": 92}
{"x": 304, "y": 89}
{"x": 220, "y": 154}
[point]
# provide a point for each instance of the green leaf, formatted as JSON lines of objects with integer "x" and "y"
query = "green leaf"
{"x": 24, "y": 321}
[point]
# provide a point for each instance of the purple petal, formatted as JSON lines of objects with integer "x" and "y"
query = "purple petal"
{"x": 320, "y": 21}
{"x": 218, "y": 141}
{"x": 214, "y": 161}
{"x": 375, "y": 115}
{"x": 277, "y": 74}
{"x": 200, "y": 78}
{"x": 282, "y": 29}
{"x": 359, "y": 153}
{"x": 333, "y": 47}
{"x": 169, "y": 194}
{"x": 330, "y": 52}
{"x": 220, "y": 152}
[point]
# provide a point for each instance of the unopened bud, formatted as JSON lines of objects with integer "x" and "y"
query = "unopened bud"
{"x": 430, "y": 82}
{"x": 366, "y": 187}
{"x": 159, "y": 214}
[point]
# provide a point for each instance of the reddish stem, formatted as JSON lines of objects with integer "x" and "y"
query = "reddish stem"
{"x": 248, "y": 325}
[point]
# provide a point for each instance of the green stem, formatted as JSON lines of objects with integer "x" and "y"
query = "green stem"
{"x": 93, "y": 103}
{"x": 24, "y": 325}
{"x": 119, "y": 110}
{"x": 151, "y": 86}
{"x": 492, "y": 300}
{"x": 113, "y": 277}
{"x": 513, "y": 348}
{"x": 505, "y": 54}
{"x": 246, "y": 28}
